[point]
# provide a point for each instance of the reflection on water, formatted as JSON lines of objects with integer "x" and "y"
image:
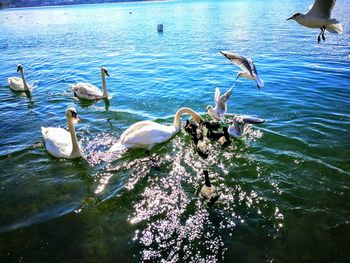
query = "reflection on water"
{"x": 284, "y": 188}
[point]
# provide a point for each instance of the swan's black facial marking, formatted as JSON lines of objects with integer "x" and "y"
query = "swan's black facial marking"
{"x": 106, "y": 72}
{"x": 74, "y": 114}
{"x": 19, "y": 68}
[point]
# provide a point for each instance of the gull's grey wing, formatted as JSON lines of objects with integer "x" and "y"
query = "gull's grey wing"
{"x": 254, "y": 71}
{"x": 224, "y": 97}
{"x": 252, "y": 120}
{"x": 240, "y": 61}
{"x": 322, "y": 8}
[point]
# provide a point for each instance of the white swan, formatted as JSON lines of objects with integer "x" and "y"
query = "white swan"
{"x": 209, "y": 191}
{"x": 61, "y": 143}
{"x": 145, "y": 134}
{"x": 90, "y": 92}
{"x": 220, "y": 108}
{"x": 247, "y": 65}
{"x": 19, "y": 84}
{"x": 241, "y": 125}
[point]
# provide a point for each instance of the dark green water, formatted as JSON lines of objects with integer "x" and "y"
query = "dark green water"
{"x": 284, "y": 190}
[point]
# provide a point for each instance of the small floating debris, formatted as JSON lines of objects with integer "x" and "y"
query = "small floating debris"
{"x": 160, "y": 28}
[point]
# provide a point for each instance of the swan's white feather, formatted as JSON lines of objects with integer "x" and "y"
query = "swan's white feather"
{"x": 58, "y": 142}
{"x": 145, "y": 133}
{"x": 87, "y": 91}
{"x": 16, "y": 84}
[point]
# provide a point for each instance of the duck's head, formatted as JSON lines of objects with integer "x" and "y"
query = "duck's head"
{"x": 295, "y": 16}
{"x": 104, "y": 70}
{"x": 209, "y": 107}
{"x": 71, "y": 114}
{"x": 19, "y": 67}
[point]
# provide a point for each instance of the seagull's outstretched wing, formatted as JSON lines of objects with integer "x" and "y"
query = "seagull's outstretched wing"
{"x": 224, "y": 97}
{"x": 322, "y": 8}
{"x": 250, "y": 120}
{"x": 240, "y": 61}
{"x": 254, "y": 71}
{"x": 221, "y": 103}
{"x": 217, "y": 95}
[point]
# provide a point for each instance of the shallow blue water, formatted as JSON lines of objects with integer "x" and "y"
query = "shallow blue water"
{"x": 284, "y": 190}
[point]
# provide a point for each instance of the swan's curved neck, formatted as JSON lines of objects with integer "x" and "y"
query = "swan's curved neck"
{"x": 104, "y": 87}
{"x": 177, "y": 117}
{"x": 24, "y": 80}
{"x": 75, "y": 144}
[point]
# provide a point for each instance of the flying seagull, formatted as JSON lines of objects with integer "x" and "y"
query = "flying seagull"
{"x": 247, "y": 65}
{"x": 220, "y": 109}
{"x": 319, "y": 17}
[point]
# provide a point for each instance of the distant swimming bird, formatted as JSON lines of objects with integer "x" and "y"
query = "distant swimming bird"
{"x": 209, "y": 191}
{"x": 61, "y": 143}
{"x": 220, "y": 109}
{"x": 241, "y": 125}
{"x": 145, "y": 134}
{"x": 19, "y": 84}
{"x": 90, "y": 92}
{"x": 319, "y": 17}
{"x": 247, "y": 65}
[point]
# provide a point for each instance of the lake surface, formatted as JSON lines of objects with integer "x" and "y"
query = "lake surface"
{"x": 284, "y": 189}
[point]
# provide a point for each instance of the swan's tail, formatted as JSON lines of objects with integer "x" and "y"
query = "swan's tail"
{"x": 334, "y": 27}
{"x": 44, "y": 131}
{"x": 118, "y": 147}
{"x": 72, "y": 87}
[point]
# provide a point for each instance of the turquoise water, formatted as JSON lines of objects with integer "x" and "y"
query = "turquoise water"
{"x": 284, "y": 190}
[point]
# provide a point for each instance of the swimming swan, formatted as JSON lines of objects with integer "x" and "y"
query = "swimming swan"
{"x": 61, "y": 143}
{"x": 90, "y": 92}
{"x": 145, "y": 134}
{"x": 19, "y": 84}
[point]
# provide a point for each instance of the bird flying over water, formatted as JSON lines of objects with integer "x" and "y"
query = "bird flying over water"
{"x": 247, "y": 65}
{"x": 319, "y": 16}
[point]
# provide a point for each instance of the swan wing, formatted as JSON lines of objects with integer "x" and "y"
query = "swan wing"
{"x": 86, "y": 91}
{"x": 148, "y": 135}
{"x": 322, "y": 8}
{"x": 15, "y": 83}
{"x": 134, "y": 127}
{"x": 58, "y": 142}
